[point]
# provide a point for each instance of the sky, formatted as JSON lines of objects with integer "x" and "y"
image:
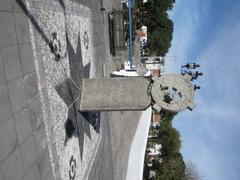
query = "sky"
{"x": 208, "y": 32}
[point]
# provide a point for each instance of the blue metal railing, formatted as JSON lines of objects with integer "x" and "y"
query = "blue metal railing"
{"x": 130, "y": 5}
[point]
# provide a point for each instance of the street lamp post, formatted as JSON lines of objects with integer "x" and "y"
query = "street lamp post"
{"x": 130, "y": 30}
{"x": 191, "y": 65}
{"x": 187, "y": 69}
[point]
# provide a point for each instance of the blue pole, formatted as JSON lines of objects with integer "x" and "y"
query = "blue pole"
{"x": 130, "y": 31}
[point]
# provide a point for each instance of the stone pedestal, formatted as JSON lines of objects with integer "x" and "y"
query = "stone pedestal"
{"x": 115, "y": 94}
{"x": 170, "y": 92}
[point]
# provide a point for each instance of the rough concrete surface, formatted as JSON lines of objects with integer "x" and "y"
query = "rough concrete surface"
{"x": 115, "y": 94}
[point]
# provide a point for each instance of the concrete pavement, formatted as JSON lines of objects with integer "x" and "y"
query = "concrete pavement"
{"x": 23, "y": 147}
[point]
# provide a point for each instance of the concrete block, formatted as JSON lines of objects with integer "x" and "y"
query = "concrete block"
{"x": 5, "y": 5}
{"x": 10, "y": 58}
{"x": 1, "y": 176}
{"x": 49, "y": 176}
{"x": 35, "y": 113}
{"x": 23, "y": 125}
{"x": 22, "y": 28}
{"x": 28, "y": 153}
{"x": 7, "y": 29}
{"x": 17, "y": 94}
{"x": 31, "y": 86}
{"x": 32, "y": 174}
{"x": 5, "y": 109}
{"x": 114, "y": 94}
{"x": 2, "y": 75}
{"x": 12, "y": 167}
{"x": 8, "y": 139}
{"x": 26, "y": 58}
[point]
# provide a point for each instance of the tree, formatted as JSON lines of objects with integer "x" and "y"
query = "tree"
{"x": 191, "y": 172}
{"x": 145, "y": 171}
{"x": 172, "y": 168}
{"x": 160, "y": 34}
{"x": 169, "y": 138}
{"x": 165, "y": 5}
{"x": 155, "y": 164}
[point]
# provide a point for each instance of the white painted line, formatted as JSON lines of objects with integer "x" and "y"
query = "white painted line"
{"x": 94, "y": 154}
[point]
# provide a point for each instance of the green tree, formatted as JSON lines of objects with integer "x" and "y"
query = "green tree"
{"x": 164, "y": 5}
{"x": 160, "y": 26}
{"x": 145, "y": 171}
{"x": 169, "y": 137}
{"x": 160, "y": 37}
{"x": 172, "y": 166}
{"x": 172, "y": 170}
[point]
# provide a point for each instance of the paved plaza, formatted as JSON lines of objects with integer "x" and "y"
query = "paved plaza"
{"x": 46, "y": 48}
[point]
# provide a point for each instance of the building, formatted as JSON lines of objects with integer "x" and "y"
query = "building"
{"x": 154, "y": 63}
{"x": 154, "y": 152}
{"x": 143, "y": 34}
{"x": 156, "y": 118}
{"x": 155, "y": 72}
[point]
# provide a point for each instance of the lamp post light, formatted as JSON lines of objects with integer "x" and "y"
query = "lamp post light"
{"x": 187, "y": 69}
{"x": 195, "y": 74}
{"x": 196, "y": 87}
{"x": 191, "y": 65}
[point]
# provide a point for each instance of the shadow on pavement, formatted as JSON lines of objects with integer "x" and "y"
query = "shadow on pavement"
{"x": 77, "y": 124}
{"x": 38, "y": 28}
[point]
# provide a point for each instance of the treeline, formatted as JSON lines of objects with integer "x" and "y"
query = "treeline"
{"x": 172, "y": 166}
{"x": 160, "y": 26}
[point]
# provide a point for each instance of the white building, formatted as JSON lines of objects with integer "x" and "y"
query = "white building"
{"x": 128, "y": 71}
{"x": 154, "y": 62}
{"x": 143, "y": 34}
{"x": 155, "y": 151}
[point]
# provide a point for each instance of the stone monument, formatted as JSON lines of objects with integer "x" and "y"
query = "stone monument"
{"x": 171, "y": 92}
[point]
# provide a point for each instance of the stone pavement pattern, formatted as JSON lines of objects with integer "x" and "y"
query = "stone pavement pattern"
{"x": 39, "y": 86}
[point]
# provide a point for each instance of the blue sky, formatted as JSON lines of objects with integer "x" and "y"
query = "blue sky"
{"x": 208, "y": 32}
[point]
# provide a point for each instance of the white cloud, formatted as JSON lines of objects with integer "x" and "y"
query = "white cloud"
{"x": 222, "y": 66}
{"x": 185, "y": 25}
{"x": 214, "y": 123}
